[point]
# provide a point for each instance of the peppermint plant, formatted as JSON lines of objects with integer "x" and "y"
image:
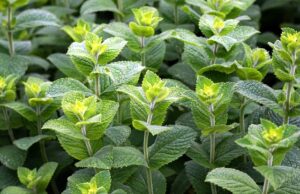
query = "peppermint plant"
{"x": 267, "y": 145}
{"x": 149, "y": 96}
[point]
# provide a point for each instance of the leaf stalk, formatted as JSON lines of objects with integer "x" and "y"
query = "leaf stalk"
{"x": 146, "y": 151}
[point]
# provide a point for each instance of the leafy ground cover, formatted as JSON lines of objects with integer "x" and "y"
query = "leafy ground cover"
{"x": 149, "y": 96}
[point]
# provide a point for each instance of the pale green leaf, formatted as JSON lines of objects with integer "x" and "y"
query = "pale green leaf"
{"x": 91, "y": 6}
{"x": 238, "y": 35}
{"x": 170, "y": 145}
{"x": 118, "y": 134}
{"x": 65, "y": 127}
{"x": 64, "y": 85}
{"x": 103, "y": 159}
{"x": 32, "y": 18}
{"x": 127, "y": 156}
{"x": 15, "y": 189}
{"x": 284, "y": 180}
{"x": 258, "y": 92}
{"x": 114, "y": 48}
{"x": 46, "y": 172}
{"x": 22, "y": 109}
{"x": 233, "y": 180}
{"x": 153, "y": 129}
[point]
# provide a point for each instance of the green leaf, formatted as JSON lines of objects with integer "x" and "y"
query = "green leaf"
{"x": 197, "y": 57}
{"x": 218, "y": 129}
{"x": 65, "y": 65}
{"x": 92, "y": 6}
{"x": 13, "y": 65}
{"x": 82, "y": 59}
{"x": 15, "y": 189}
{"x": 139, "y": 106}
{"x": 7, "y": 177}
{"x": 246, "y": 73}
{"x": 226, "y": 151}
{"x": 64, "y": 85}
{"x": 120, "y": 73}
{"x": 196, "y": 175}
{"x": 46, "y": 172}
{"x": 233, "y": 180}
{"x": 258, "y": 92}
{"x": 23, "y": 109}
{"x": 227, "y": 68}
{"x": 107, "y": 109}
{"x": 26, "y": 142}
{"x": 32, "y": 18}
{"x": 183, "y": 73}
{"x": 12, "y": 157}
{"x": 114, "y": 48}
{"x": 65, "y": 127}
{"x": 119, "y": 191}
{"x": 79, "y": 176}
{"x": 181, "y": 184}
{"x": 123, "y": 31}
{"x": 271, "y": 4}
{"x": 198, "y": 153}
{"x": 76, "y": 147}
{"x": 114, "y": 157}
{"x": 186, "y": 37}
{"x": 282, "y": 178}
{"x": 103, "y": 179}
{"x": 170, "y": 145}
{"x": 127, "y": 156}
{"x": 153, "y": 129}
{"x": 238, "y": 35}
{"x": 253, "y": 141}
{"x": 118, "y": 134}
{"x": 138, "y": 184}
{"x": 103, "y": 159}
{"x": 155, "y": 54}
{"x": 292, "y": 158}
{"x": 283, "y": 76}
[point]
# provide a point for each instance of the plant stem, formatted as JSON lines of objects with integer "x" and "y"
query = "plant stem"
{"x": 119, "y": 114}
{"x": 242, "y": 122}
{"x": 212, "y": 138}
{"x": 242, "y": 116}
{"x": 120, "y": 8}
{"x": 42, "y": 147}
{"x": 288, "y": 95}
{"x": 216, "y": 47}
{"x": 143, "y": 56}
{"x": 10, "y": 36}
{"x": 213, "y": 135}
{"x": 7, "y": 121}
{"x": 87, "y": 142}
{"x": 266, "y": 182}
{"x": 146, "y": 151}
{"x": 39, "y": 130}
{"x": 97, "y": 85}
{"x": 176, "y": 14}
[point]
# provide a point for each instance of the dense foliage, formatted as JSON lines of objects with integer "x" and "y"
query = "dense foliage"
{"x": 149, "y": 96}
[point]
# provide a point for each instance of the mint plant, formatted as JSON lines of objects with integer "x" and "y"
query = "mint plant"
{"x": 136, "y": 96}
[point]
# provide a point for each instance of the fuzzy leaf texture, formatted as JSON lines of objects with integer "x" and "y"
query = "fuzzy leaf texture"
{"x": 233, "y": 180}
